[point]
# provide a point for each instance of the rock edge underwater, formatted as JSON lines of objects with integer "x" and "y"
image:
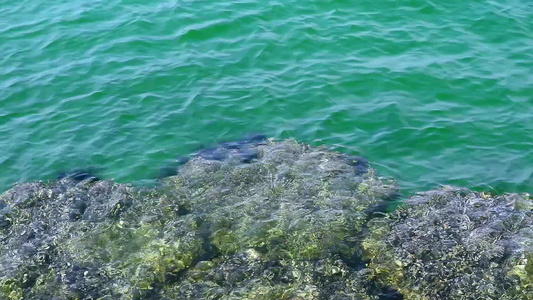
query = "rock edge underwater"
{"x": 262, "y": 219}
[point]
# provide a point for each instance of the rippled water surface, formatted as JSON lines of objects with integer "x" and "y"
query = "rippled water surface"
{"x": 432, "y": 92}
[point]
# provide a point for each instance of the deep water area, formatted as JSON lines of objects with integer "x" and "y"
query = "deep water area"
{"x": 431, "y": 92}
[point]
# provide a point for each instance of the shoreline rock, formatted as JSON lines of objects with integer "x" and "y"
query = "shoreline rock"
{"x": 453, "y": 243}
{"x": 259, "y": 219}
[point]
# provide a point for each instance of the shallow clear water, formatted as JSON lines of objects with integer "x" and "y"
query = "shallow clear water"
{"x": 432, "y": 93}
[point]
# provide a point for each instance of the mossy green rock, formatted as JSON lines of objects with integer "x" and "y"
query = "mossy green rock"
{"x": 295, "y": 202}
{"x": 262, "y": 219}
{"x": 286, "y": 224}
{"x": 249, "y": 275}
{"x": 456, "y": 244}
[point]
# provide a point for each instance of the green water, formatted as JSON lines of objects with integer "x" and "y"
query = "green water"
{"x": 431, "y": 92}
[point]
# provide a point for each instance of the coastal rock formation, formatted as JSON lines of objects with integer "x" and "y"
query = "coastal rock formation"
{"x": 285, "y": 222}
{"x": 453, "y": 243}
{"x": 262, "y": 219}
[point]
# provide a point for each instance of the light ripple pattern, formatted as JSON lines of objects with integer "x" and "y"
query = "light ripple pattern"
{"x": 432, "y": 92}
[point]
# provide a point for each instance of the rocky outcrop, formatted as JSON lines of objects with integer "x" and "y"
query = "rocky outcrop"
{"x": 283, "y": 223}
{"x": 261, "y": 219}
{"x": 453, "y": 243}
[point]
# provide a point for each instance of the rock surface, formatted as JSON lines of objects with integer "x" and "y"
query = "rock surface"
{"x": 453, "y": 243}
{"x": 262, "y": 219}
{"x": 258, "y": 220}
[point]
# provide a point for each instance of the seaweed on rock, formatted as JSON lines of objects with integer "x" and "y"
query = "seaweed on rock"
{"x": 265, "y": 219}
{"x": 279, "y": 220}
{"x": 250, "y": 275}
{"x": 453, "y": 243}
{"x": 294, "y": 202}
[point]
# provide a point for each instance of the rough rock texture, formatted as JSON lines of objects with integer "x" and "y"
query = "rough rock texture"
{"x": 456, "y": 244}
{"x": 261, "y": 219}
{"x": 297, "y": 208}
{"x": 249, "y": 275}
{"x": 254, "y": 219}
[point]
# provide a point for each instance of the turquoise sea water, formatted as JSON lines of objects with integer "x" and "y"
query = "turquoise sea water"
{"x": 431, "y": 92}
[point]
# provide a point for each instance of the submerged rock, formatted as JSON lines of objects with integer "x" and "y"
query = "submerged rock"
{"x": 291, "y": 222}
{"x": 244, "y": 150}
{"x": 250, "y": 275}
{"x": 283, "y": 223}
{"x": 456, "y": 244}
{"x": 294, "y": 200}
{"x": 278, "y": 223}
{"x": 78, "y": 175}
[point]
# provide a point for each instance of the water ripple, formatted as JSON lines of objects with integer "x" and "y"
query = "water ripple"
{"x": 432, "y": 93}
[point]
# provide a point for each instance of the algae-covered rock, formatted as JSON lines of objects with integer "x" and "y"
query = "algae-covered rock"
{"x": 293, "y": 202}
{"x": 456, "y": 244}
{"x": 249, "y": 275}
{"x": 90, "y": 240}
{"x": 256, "y": 219}
{"x": 291, "y": 213}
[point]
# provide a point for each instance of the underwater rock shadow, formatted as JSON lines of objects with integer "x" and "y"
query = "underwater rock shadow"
{"x": 243, "y": 149}
{"x": 78, "y": 175}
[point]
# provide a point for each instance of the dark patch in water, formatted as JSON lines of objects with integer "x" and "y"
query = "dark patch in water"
{"x": 78, "y": 175}
{"x": 243, "y": 149}
{"x": 168, "y": 171}
{"x": 171, "y": 168}
{"x": 248, "y": 155}
{"x": 231, "y": 145}
{"x": 219, "y": 153}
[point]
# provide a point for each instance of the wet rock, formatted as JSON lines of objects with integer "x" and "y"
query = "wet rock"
{"x": 358, "y": 162}
{"x": 453, "y": 243}
{"x": 262, "y": 219}
{"x": 252, "y": 219}
{"x": 5, "y": 215}
{"x": 250, "y": 275}
{"x": 292, "y": 199}
{"x": 77, "y": 209}
{"x": 243, "y": 150}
